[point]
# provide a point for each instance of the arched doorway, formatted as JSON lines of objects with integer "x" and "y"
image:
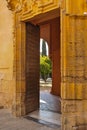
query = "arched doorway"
{"x": 50, "y": 31}
{"x": 50, "y": 102}
{"x": 47, "y": 27}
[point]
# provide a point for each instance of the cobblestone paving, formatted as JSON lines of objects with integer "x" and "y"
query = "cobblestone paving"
{"x": 8, "y": 122}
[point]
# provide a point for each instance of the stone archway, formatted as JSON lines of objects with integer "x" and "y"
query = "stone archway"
{"x": 73, "y": 67}
{"x": 32, "y": 59}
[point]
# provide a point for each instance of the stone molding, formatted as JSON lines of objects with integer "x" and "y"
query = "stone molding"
{"x": 33, "y": 7}
{"x": 14, "y": 5}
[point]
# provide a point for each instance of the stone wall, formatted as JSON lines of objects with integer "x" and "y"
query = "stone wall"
{"x": 74, "y": 70}
{"x": 6, "y": 55}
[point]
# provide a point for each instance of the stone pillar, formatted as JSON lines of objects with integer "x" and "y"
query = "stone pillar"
{"x": 19, "y": 100}
{"x": 74, "y": 66}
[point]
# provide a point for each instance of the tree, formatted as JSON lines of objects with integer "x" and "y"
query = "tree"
{"x": 45, "y": 67}
{"x": 44, "y": 48}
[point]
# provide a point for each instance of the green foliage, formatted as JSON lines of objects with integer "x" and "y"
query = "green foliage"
{"x": 45, "y": 67}
{"x": 43, "y": 48}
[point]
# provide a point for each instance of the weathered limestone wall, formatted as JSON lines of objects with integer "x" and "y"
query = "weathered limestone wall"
{"x": 74, "y": 66}
{"x": 6, "y": 55}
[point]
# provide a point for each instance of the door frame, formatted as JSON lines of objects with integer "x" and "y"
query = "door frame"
{"x": 20, "y": 58}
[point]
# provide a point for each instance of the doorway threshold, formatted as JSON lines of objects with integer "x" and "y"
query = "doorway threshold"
{"x": 46, "y": 118}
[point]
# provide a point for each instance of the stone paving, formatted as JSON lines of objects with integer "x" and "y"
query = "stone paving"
{"x": 49, "y": 102}
{"x": 8, "y": 122}
{"x": 47, "y": 118}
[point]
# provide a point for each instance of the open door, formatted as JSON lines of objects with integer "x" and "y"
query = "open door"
{"x": 32, "y": 67}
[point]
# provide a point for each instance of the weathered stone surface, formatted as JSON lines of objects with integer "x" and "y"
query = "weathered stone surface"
{"x": 6, "y": 56}
{"x": 74, "y": 77}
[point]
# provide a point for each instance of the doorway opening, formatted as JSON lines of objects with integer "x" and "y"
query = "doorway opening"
{"x": 45, "y": 66}
{"x": 49, "y": 101}
{"x": 50, "y": 94}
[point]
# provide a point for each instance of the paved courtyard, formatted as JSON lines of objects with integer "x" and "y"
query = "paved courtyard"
{"x": 8, "y": 122}
{"x": 47, "y": 118}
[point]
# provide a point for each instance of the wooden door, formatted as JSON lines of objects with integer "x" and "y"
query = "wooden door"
{"x": 32, "y": 67}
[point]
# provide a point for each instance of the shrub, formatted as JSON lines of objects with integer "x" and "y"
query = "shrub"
{"x": 45, "y": 67}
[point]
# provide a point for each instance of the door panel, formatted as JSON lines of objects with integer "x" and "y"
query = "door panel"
{"x": 32, "y": 67}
